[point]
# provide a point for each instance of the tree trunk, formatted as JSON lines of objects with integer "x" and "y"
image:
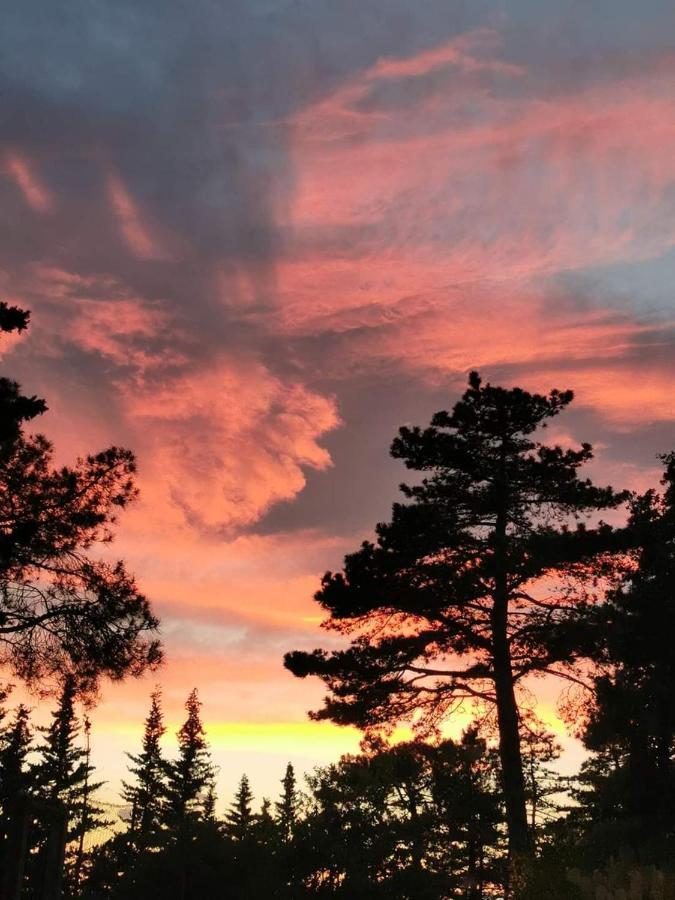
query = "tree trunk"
{"x": 513, "y": 779}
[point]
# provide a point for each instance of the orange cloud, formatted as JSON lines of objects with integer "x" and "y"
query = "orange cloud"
{"x": 624, "y": 395}
{"x": 227, "y": 442}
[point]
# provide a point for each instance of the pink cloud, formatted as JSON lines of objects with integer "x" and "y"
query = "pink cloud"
{"x": 471, "y": 186}
{"x": 29, "y": 183}
{"x": 133, "y": 228}
{"x": 225, "y": 443}
{"x": 464, "y": 52}
{"x": 624, "y": 395}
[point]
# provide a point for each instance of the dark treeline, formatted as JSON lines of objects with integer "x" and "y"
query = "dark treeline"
{"x": 496, "y": 569}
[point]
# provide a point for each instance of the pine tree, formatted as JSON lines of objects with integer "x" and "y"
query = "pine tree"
{"x": 62, "y": 609}
{"x": 63, "y": 777}
{"x": 15, "y": 408}
{"x": 209, "y": 807}
{"x": 239, "y": 820}
{"x": 190, "y": 777}
{"x": 631, "y": 727}
{"x": 15, "y": 775}
{"x": 287, "y": 805}
{"x": 60, "y": 772}
{"x": 146, "y": 794}
{"x": 15, "y": 745}
{"x": 266, "y": 828}
{"x": 445, "y": 606}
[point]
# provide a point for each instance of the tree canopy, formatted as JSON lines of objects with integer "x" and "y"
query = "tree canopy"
{"x": 465, "y": 591}
{"x": 64, "y": 609}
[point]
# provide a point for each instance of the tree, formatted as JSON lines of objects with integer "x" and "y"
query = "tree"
{"x": 15, "y": 409}
{"x": 631, "y": 726}
{"x": 409, "y": 821}
{"x": 190, "y": 776}
{"x": 239, "y": 819}
{"x": 146, "y": 794}
{"x": 62, "y": 611}
{"x": 287, "y": 805}
{"x": 63, "y": 779}
{"x": 448, "y": 605}
{"x": 15, "y": 775}
{"x": 266, "y": 828}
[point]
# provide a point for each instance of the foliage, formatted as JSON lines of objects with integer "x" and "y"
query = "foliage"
{"x": 628, "y": 784}
{"x": 61, "y": 610}
{"x": 146, "y": 794}
{"x": 456, "y": 575}
{"x": 190, "y": 777}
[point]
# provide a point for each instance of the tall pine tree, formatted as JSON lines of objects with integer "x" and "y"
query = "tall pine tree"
{"x": 190, "y": 777}
{"x": 287, "y": 805}
{"x": 146, "y": 793}
{"x": 64, "y": 777}
{"x": 447, "y": 605}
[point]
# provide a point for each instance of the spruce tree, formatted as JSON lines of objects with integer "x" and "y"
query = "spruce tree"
{"x": 447, "y": 605}
{"x": 15, "y": 775}
{"x": 15, "y": 745}
{"x": 265, "y": 825}
{"x": 146, "y": 793}
{"x": 209, "y": 806}
{"x": 191, "y": 775}
{"x": 63, "y": 777}
{"x": 287, "y": 805}
{"x": 239, "y": 819}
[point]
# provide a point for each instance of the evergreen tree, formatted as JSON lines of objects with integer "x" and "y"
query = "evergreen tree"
{"x": 15, "y": 409}
{"x": 209, "y": 809}
{"x": 190, "y": 776}
{"x": 631, "y": 728}
{"x": 454, "y": 577}
{"x": 266, "y": 827}
{"x": 239, "y": 819}
{"x": 62, "y": 610}
{"x": 15, "y": 745}
{"x": 146, "y": 794}
{"x": 287, "y": 805}
{"x": 63, "y": 778}
{"x": 15, "y": 775}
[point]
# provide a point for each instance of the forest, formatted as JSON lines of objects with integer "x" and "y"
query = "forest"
{"x": 502, "y": 564}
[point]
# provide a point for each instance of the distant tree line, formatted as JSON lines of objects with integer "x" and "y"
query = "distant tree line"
{"x": 495, "y": 569}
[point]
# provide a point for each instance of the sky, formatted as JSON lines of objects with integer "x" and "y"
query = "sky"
{"x": 256, "y": 236}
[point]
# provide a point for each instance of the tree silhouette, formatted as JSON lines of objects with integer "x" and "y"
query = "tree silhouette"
{"x": 190, "y": 776}
{"x": 62, "y": 611}
{"x": 63, "y": 775}
{"x": 15, "y": 408}
{"x": 146, "y": 794}
{"x": 15, "y": 776}
{"x": 631, "y": 726}
{"x": 239, "y": 819}
{"x": 287, "y": 805}
{"x": 453, "y": 577}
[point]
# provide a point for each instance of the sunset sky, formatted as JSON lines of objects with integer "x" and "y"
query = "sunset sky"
{"x": 257, "y": 236}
